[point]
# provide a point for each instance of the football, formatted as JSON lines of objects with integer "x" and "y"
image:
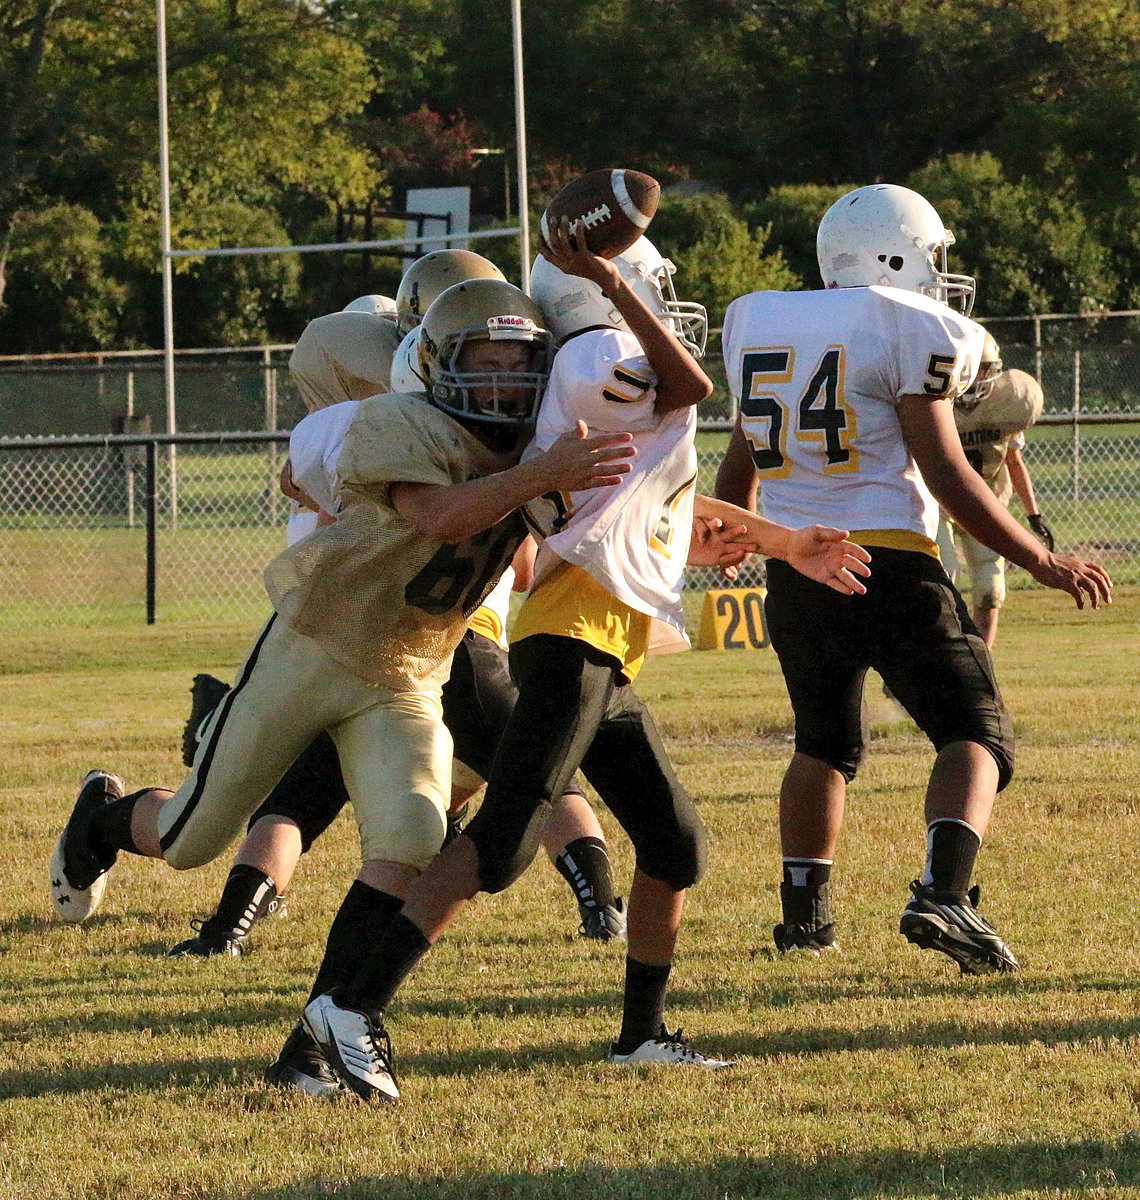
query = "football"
{"x": 617, "y": 206}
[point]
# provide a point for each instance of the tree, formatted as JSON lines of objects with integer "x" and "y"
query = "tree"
{"x": 1030, "y": 248}
{"x": 262, "y": 93}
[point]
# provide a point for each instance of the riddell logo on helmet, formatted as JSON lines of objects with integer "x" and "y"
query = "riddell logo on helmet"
{"x": 510, "y": 326}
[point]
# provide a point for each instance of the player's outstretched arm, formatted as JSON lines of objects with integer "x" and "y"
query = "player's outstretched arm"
{"x": 681, "y": 382}
{"x": 576, "y": 462}
{"x": 928, "y": 427}
{"x": 817, "y": 551}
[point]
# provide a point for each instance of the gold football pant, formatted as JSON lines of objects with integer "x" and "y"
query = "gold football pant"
{"x": 394, "y": 749}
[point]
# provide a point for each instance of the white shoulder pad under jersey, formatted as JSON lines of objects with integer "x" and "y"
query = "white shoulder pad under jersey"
{"x": 406, "y": 364}
{"x": 314, "y": 452}
{"x": 818, "y": 375}
{"x": 633, "y": 538}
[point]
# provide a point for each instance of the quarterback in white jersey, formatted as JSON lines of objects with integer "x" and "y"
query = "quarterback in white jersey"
{"x": 633, "y": 539}
{"x": 991, "y": 418}
{"x": 846, "y": 416}
{"x": 576, "y": 644}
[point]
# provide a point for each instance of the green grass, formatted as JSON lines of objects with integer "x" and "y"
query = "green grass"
{"x": 877, "y": 1072}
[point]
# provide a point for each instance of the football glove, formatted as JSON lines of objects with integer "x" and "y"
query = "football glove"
{"x": 1037, "y": 524}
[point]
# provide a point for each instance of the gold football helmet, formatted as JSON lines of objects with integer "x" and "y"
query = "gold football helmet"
{"x": 467, "y": 381}
{"x": 427, "y": 277}
{"x": 989, "y": 369}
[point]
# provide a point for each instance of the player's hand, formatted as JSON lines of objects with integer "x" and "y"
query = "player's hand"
{"x": 577, "y": 461}
{"x": 1037, "y": 524}
{"x": 714, "y": 544}
{"x": 1082, "y": 580}
{"x": 825, "y": 555}
{"x": 567, "y": 250}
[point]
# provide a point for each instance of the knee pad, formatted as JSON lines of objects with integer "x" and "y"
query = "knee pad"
{"x": 989, "y": 585}
{"x": 504, "y": 850}
{"x": 680, "y": 861}
{"x": 845, "y": 760}
{"x": 408, "y": 831}
{"x": 1002, "y": 752}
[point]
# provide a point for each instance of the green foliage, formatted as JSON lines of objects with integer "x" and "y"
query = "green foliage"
{"x": 231, "y": 301}
{"x": 1023, "y": 116}
{"x": 792, "y": 214}
{"x": 718, "y": 257}
{"x": 1031, "y": 249}
{"x": 61, "y": 288}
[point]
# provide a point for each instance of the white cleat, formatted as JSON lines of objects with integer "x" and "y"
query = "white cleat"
{"x": 671, "y": 1050}
{"x": 358, "y": 1050}
{"x": 77, "y": 874}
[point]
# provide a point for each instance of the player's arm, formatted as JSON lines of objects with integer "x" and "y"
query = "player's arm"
{"x": 1023, "y": 486}
{"x": 817, "y": 551}
{"x": 523, "y": 564}
{"x": 736, "y": 476}
{"x": 454, "y": 512}
{"x": 681, "y": 382}
{"x": 928, "y": 427}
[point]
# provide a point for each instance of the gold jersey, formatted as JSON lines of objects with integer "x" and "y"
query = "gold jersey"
{"x": 382, "y": 598}
{"x": 990, "y": 427}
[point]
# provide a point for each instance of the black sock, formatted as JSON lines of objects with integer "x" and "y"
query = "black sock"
{"x": 805, "y": 892}
{"x": 247, "y": 896}
{"x": 400, "y": 947}
{"x": 110, "y": 829}
{"x": 363, "y": 916}
{"x": 585, "y": 866}
{"x": 951, "y": 849}
{"x": 643, "y": 1009}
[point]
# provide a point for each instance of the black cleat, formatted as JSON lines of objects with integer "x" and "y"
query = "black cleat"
{"x": 605, "y": 923}
{"x": 78, "y": 871}
{"x": 950, "y": 924}
{"x": 302, "y": 1067}
{"x": 799, "y": 939}
{"x": 210, "y": 939}
{"x": 206, "y": 693}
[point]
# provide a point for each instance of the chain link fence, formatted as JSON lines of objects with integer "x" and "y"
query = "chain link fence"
{"x": 121, "y": 530}
{"x": 104, "y": 529}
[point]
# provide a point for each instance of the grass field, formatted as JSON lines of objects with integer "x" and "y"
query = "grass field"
{"x": 877, "y": 1072}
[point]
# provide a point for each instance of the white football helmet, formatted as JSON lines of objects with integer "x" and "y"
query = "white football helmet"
{"x": 406, "y": 364}
{"x": 484, "y": 310}
{"x": 572, "y": 304}
{"x": 887, "y": 234}
{"x": 989, "y": 369}
{"x": 434, "y": 273}
{"x": 382, "y": 306}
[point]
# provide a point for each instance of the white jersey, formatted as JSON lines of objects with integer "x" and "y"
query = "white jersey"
{"x": 818, "y": 375}
{"x": 314, "y": 451}
{"x": 632, "y": 538}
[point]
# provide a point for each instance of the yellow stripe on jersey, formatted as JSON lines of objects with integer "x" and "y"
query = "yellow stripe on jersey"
{"x": 895, "y": 539}
{"x": 630, "y": 388}
{"x": 486, "y": 621}
{"x": 569, "y": 602}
